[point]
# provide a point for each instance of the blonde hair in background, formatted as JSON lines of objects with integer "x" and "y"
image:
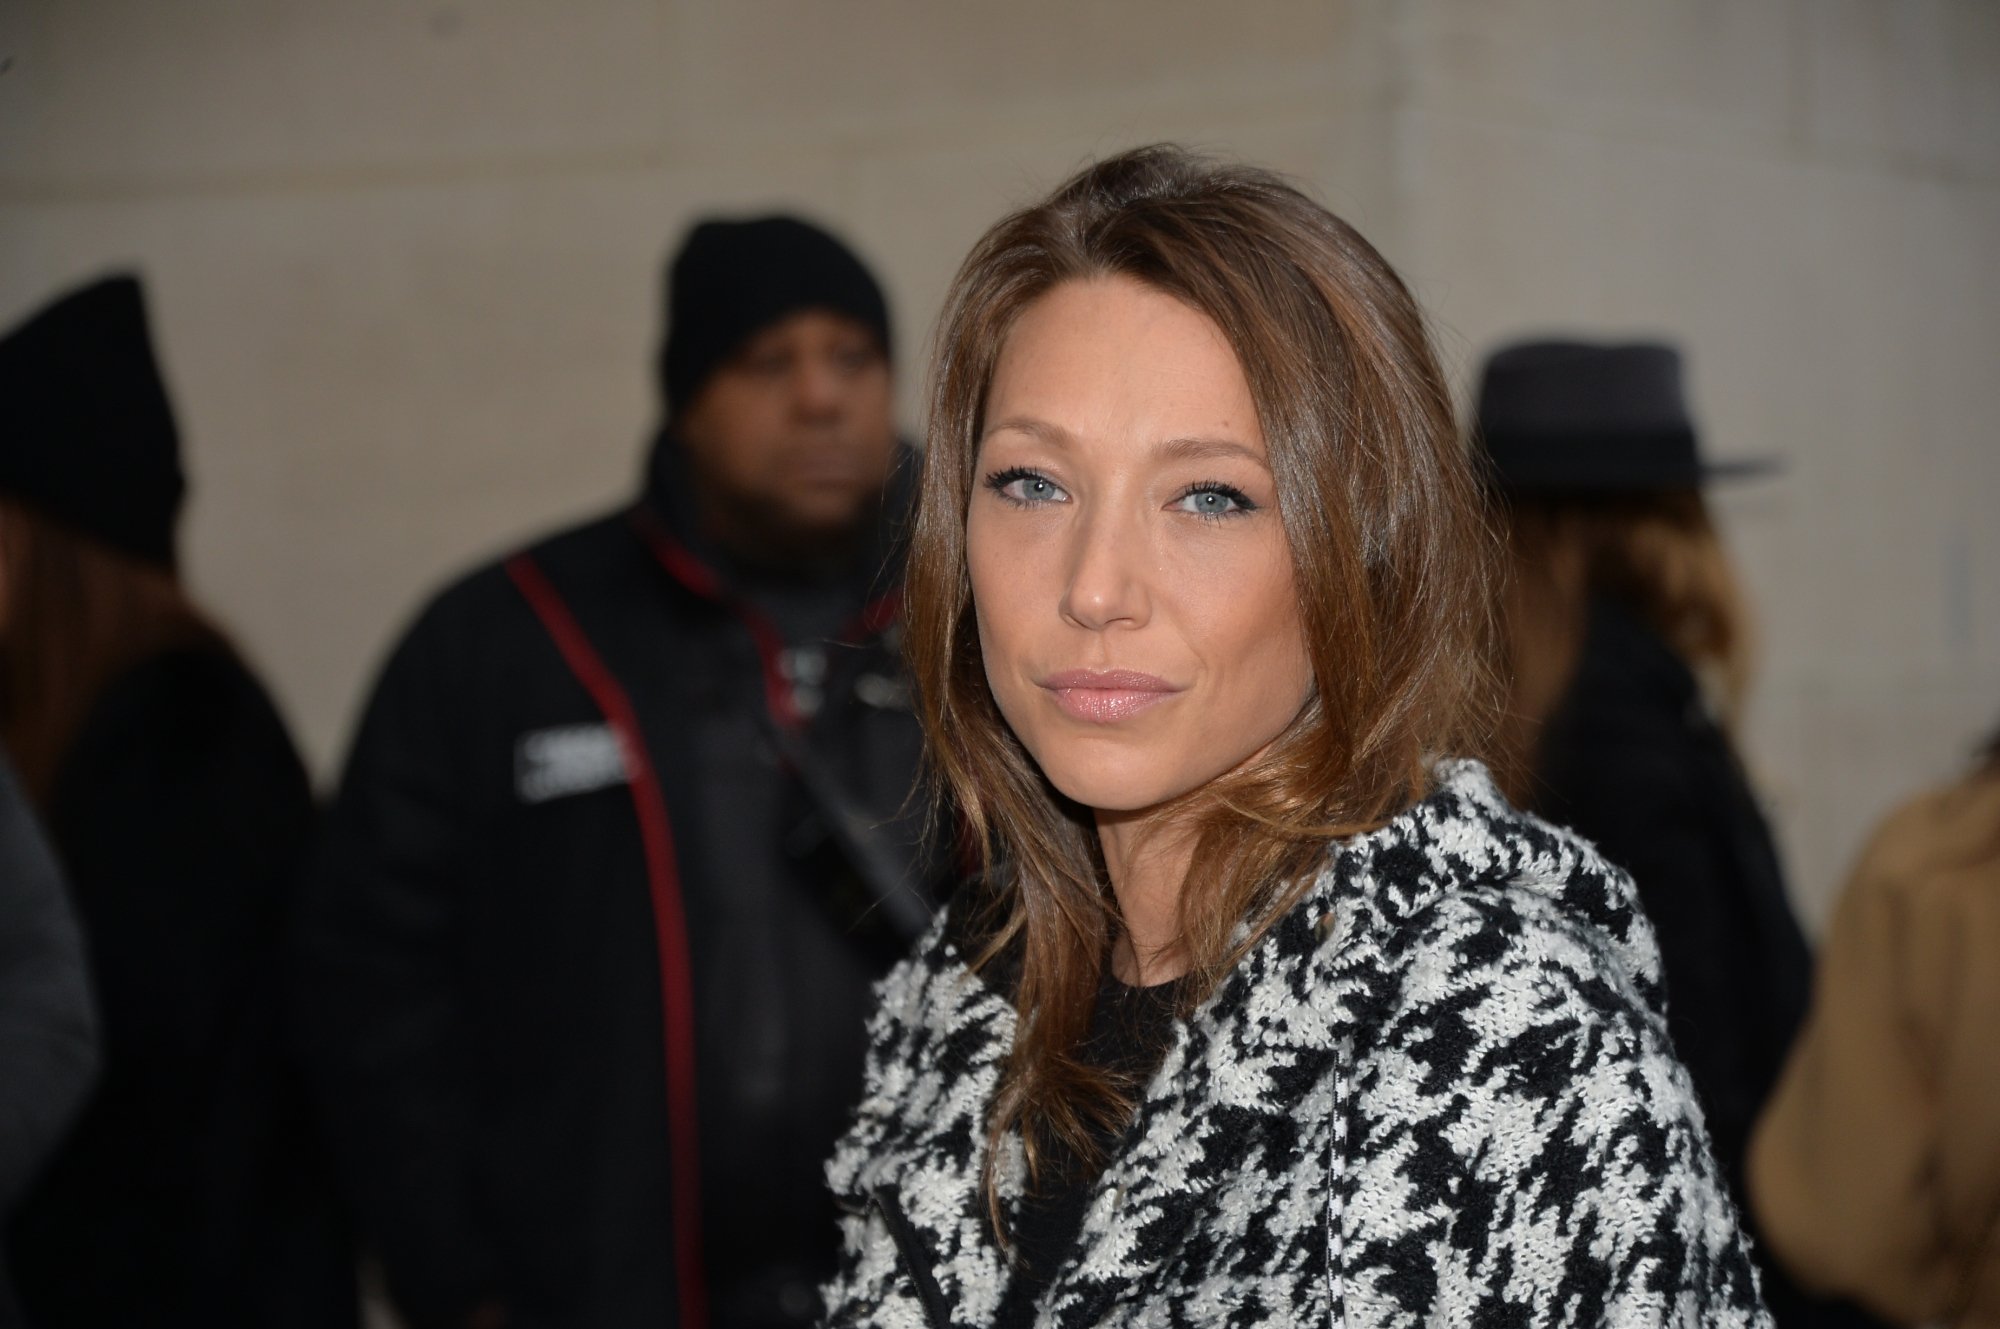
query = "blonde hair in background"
{"x": 1391, "y": 556}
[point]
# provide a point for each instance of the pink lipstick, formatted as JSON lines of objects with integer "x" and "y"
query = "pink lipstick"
{"x": 1106, "y": 696}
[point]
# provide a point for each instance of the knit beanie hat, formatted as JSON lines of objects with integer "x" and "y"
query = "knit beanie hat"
{"x": 733, "y": 279}
{"x": 86, "y": 433}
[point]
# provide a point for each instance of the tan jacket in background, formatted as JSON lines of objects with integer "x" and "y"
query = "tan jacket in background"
{"x": 1875, "y": 1171}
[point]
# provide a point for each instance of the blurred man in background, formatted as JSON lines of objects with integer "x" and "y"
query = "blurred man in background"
{"x": 624, "y": 838}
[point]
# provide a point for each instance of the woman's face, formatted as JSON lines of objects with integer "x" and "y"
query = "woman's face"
{"x": 1130, "y": 574}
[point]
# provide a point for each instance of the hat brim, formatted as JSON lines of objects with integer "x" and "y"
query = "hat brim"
{"x": 1533, "y": 467}
{"x": 1742, "y": 468}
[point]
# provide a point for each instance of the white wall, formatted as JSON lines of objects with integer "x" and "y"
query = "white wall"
{"x": 405, "y": 256}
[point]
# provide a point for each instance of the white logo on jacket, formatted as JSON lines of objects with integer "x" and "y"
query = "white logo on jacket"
{"x": 568, "y": 759}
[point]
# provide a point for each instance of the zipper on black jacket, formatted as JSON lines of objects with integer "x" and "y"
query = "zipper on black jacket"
{"x": 915, "y": 1262}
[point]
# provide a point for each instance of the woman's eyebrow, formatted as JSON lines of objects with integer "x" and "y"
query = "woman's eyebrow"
{"x": 1052, "y": 434}
{"x": 1192, "y": 448}
{"x": 1201, "y": 449}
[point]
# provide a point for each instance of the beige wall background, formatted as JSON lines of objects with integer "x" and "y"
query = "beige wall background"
{"x": 404, "y": 260}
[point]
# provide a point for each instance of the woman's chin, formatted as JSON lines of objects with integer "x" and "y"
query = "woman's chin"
{"x": 1115, "y": 790}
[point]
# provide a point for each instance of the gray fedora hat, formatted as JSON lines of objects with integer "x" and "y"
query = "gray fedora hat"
{"x": 1560, "y": 416}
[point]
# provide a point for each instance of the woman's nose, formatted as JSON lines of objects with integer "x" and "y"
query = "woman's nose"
{"x": 1107, "y": 573}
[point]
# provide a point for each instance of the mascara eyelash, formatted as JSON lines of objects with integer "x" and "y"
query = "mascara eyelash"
{"x": 1000, "y": 480}
{"x": 1244, "y": 503}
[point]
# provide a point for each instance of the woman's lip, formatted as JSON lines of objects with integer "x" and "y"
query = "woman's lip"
{"x": 1119, "y": 680}
{"x": 1105, "y": 696}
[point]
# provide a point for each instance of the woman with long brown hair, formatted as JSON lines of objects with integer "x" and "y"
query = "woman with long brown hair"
{"x": 1266, "y": 1008}
{"x": 187, "y": 1194}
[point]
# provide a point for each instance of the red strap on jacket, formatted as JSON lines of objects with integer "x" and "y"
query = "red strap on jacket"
{"x": 669, "y": 925}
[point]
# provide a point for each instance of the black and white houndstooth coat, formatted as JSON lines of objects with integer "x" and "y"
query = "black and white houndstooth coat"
{"x": 1438, "y": 1092}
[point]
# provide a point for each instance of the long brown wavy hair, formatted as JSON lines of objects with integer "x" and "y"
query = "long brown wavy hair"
{"x": 1391, "y": 557}
{"x": 1658, "y": 554}
{"x": 77, "y": 613}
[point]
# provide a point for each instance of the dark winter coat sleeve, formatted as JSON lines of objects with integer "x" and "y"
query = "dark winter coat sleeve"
{"x": 379, "y": 1006}
{"x": 48, "y": 1040}
{"x": 181, "y": 813}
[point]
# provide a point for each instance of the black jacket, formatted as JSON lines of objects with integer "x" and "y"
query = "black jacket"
{"x": 588, "y": 959}
{"x": 1633, "y": 761}
{"x": 48, "y": 1032}
{"x": 189, "y": 1192}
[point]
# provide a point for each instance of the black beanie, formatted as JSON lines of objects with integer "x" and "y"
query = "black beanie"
{"x": 733, "y": 279}
{"x": 86, "y": 433}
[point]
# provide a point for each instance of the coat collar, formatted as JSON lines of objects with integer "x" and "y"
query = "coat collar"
{"x": 667, "y": 503}
{"x": 1249, "y": 1079}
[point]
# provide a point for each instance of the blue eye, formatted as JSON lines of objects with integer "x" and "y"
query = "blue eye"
{"x": 1018, "y": 484}
{"x": 1215, "y": 501}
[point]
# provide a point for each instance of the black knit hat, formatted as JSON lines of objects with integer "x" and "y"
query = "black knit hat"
{"x": 733, "y": 279}
{"x": 86, "y": 433}
{"x": 1584, "y": 417}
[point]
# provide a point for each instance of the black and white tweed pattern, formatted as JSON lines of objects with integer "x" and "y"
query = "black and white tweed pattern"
{"x": 1508, "y": 1141}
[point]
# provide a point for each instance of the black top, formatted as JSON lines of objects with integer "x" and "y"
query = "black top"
{"x": 180, "y": 814}
{"x": 1130, "y": 1030}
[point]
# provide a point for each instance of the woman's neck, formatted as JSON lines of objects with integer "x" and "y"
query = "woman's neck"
{"x": 1147, "y": 860}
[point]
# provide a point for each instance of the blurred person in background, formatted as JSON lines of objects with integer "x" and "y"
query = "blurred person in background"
{"x": 1629, "y": 649}
{"x": 180, "y": 813}
{"x": 48, "y": 1031}
{"x": 1875, "y": 1170}
{"x": 626, "y": 836}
